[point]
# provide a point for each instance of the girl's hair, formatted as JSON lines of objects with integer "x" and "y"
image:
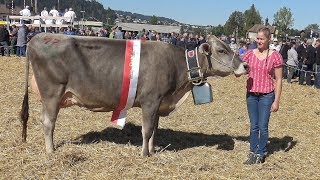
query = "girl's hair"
{"x": 266, "y": 32}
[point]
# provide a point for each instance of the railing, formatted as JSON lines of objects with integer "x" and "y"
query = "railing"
{"x": 39, "y": 21}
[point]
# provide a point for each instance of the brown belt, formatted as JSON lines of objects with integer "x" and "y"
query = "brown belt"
{"x": 259, "y": 94}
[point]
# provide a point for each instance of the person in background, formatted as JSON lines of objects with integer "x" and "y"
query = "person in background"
{"x": 54, "y": 12}
{"x": 22, "y": 41}
{"x": 32, "y": 32}
{"x": 242, "y": 50}
{"x": 4, "y": 39}
{"x": 276, "y": 44}
{"x": 13, "y": 39}
{"x": 317, "y": 75}
{"x": 111, "y": 35}
{"x": 181, "y": 42}
{"x": 144, "y": 37}
{"x": 284, "y": 53}
{"x": 293, "y": 61}
{"x": 263, "y": 94}
{"x": 252, "y": 44}
{"x": 70, "y": 16}
{"x": 43, "y": 14}
{"x": 301, "y": 50}
{"x": 158, "y": 37}
{"x": 307, "y": 63}
{"x": 191, "y": 43}
{"x": 118, "y": 34}
{"x": 174, "y": 38}
{"x": 233, "y": 45}
{"x": 25, "y": 12}
{"x": 69, "y": 31}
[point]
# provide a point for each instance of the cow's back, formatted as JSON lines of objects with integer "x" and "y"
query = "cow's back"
{"x": 91, "y": 68}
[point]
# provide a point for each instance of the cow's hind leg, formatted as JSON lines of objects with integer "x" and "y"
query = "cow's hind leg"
{"x": 50, "y": 110}
{"x": 150, "y": 118}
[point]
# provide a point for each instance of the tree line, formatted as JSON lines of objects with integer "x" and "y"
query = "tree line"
{"x": 239, "y": 23}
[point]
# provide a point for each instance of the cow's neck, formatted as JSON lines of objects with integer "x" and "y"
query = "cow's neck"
{"x": 183, "y": 84}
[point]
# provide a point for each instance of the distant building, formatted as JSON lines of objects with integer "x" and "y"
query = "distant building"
{"x": 252, "y": 32}
{"x": 139, "y": 27}
{"x": 4, "y": 11}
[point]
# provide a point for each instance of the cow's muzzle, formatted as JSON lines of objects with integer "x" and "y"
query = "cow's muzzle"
{"x": 242, "y": 69}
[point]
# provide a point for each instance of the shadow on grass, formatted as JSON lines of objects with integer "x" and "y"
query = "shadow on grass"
{"x": 275, "y": 144}
{"x": 178, "y": 140}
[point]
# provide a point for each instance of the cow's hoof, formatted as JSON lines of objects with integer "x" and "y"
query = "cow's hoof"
{"x": 145, "y": 154}
{"x": 152, "y": 153}
{"x": 50, "y": 151}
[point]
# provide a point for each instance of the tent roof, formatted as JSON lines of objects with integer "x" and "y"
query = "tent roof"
{"x": 139, "y": 27}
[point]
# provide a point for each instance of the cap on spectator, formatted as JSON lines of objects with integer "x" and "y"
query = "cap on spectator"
{"x": 27, "y": 7}
{"x": 70, "y": 9}
{"x": 232, "y": 39}
{"x": 275, "y": 40}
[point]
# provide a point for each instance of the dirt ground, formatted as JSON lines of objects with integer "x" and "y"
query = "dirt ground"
{"x": 196, "y": 142}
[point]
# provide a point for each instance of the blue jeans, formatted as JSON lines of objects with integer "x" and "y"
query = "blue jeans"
{"x": 21, "y": 51}
{"x": 259, "y": 114}
{"x": 317, "y": 77}
{"x": 306, "y": 75}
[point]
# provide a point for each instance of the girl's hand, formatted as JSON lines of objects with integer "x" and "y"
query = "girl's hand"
{"x": 274, "y": 107}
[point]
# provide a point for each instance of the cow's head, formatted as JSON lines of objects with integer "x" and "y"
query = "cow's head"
{"x": 222, "y": 61}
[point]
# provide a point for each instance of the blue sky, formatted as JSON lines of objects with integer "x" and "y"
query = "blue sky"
{"x": 213, "y": 12}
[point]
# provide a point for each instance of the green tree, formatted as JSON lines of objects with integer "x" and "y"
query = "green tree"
{"x": 252, "y": 17}
{"x": 293, "y": 32}
{"x": 110, "y": 16}
{"x": 217, "y": 30}
{"x": 283, "y": 19}
{"x": 234, "y": 24}
{"x": 312, "y": 26}
{"x": 199, "y": 31}
{"x": 153, "y": 20}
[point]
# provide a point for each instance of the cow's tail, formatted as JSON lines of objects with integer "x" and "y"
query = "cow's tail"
{"x": 24, "y": 114}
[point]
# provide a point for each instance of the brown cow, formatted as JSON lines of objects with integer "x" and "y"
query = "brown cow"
{"x": 87, "y": 71}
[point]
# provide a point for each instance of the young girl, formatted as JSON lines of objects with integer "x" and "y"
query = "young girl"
{"x": 263, "y": 94}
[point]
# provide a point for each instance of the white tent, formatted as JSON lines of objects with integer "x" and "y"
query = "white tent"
{"x": 157, "y": 28}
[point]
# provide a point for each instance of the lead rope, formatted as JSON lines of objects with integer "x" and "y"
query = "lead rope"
{"x": 224, "y": 64}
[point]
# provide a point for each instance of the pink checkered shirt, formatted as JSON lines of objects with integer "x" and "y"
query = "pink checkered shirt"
{"x": 260, "y": 78}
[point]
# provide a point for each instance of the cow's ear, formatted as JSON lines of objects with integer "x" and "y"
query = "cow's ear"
{"x": 204, "y": 48}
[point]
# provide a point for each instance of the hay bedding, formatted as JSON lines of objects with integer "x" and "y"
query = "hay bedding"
{"x": 196, "y": 142}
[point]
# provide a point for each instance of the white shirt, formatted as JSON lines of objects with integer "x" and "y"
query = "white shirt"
{"x": 70, "y": 14}
{"x": 44, "y": 13}
{"x": 25, "y": 12}
{"x": 292, "y": 57}
{"x": 54, "y": 13}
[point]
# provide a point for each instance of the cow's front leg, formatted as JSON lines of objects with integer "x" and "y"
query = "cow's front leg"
{"x": 150, "y": 119}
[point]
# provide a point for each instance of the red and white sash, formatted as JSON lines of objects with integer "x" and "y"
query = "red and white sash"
{"x": 129, "y": 82}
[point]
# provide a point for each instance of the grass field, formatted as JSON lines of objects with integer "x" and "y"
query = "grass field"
{"x": 196, "y": 142}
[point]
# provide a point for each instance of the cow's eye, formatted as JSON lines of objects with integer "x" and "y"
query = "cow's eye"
{"x": 222, "y": 51}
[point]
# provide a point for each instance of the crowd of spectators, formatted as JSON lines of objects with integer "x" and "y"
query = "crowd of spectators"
{"x": 301, "y": 57}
